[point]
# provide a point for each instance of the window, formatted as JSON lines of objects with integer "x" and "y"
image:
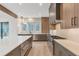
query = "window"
{"x": 36, "y": 26}
{"x": 0, "y": 30}
{"x": 4, "y": 29}
{"x": 31, "y": 27}
{"x": 24, "y": 27}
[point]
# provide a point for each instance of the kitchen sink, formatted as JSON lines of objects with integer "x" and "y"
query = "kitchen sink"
{"x": 57, "y": 37}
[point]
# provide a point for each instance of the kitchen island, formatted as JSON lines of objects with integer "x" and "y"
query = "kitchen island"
{"x": 18, "y": 47}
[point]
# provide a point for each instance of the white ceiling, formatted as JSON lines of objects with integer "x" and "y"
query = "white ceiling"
{"x": 29, "y": 9}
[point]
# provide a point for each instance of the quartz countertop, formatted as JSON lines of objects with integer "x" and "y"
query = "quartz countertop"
{"x": 32, "y": 33}
{"x": 69, "y": 45}
{"x": 7, "y": 46}
{"x": 71, "y": 42}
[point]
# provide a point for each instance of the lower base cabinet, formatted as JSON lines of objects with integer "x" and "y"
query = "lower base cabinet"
{"x": 26, "y": 46}
{"x": 40, "y": 37}
{"x": 15, "y": 52}
{"x": 23, "y": 49}
{"x": 59, "y": 50}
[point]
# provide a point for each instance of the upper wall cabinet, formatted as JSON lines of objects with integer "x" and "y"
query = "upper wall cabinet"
{"x": 70, "y": 15}
{"x": 58, "y": 6}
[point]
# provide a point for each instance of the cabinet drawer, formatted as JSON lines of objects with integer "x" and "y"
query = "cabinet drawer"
{"x": 26, "y": 42}
{"x": 25, "y": 46}
{"x": 21, "y": 49}
{"x": 15, "y": 52}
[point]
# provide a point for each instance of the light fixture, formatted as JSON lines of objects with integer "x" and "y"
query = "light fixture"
{"x": 20, "y": 3}
{"x": 30, "y": 19}
{"x": 40, "y": 4}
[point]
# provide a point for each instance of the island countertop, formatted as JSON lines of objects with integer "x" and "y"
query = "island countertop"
{"x": 7, "y": 46}
{"x": 69, "y": 45}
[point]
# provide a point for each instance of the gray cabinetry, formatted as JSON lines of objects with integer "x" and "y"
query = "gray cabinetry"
{"x": 59, "y": 50}
{"x": 22, "y": 49}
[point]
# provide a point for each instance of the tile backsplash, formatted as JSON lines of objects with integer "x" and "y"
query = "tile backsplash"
{"x": 71, "y": 34}
{"x": 53, "y": 32}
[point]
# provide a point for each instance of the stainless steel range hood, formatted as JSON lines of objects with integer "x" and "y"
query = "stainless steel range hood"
{"x": 56, "y": 21}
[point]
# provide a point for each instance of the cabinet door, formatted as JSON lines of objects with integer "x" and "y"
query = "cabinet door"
{"x": 45, "y": 24}
{"x": 68, "y": 14}
{"x": 77, "y": 15}
{"x": 26, "y": 46}
{"x": 61, "y": 51}
{"x": 65, "y": 16}
{"x": 71, "y": 15}
{"x": 15, "y": 52}
{"x": 58, "y": 50}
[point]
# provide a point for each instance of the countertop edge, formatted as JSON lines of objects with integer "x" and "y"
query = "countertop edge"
{"x": 18, "y": 44}
{"x": 67, "y": 48}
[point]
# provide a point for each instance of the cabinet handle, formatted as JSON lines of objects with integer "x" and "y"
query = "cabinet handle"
{"x": 72, "y": 20}
{"x": 75, "y": 21}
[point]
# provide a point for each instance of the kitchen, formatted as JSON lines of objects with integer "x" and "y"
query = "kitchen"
{"x": 39, "y": 29}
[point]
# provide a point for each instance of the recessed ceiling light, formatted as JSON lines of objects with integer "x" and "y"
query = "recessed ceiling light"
{"x": 20, "y": 3}
{"x": 40, "y": 4}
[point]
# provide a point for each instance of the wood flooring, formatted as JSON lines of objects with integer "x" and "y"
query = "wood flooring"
{"x": 40, "y": 48}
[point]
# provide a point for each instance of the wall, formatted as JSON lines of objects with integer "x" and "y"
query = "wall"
{"x": 52, "y": 26}
{"x": 58, "y": 26}
{"x": 12, "y": 27}
{"x": 71, "y": 34}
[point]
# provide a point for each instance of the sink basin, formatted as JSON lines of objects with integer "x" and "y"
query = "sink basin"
{"x": 57, "y": 37}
